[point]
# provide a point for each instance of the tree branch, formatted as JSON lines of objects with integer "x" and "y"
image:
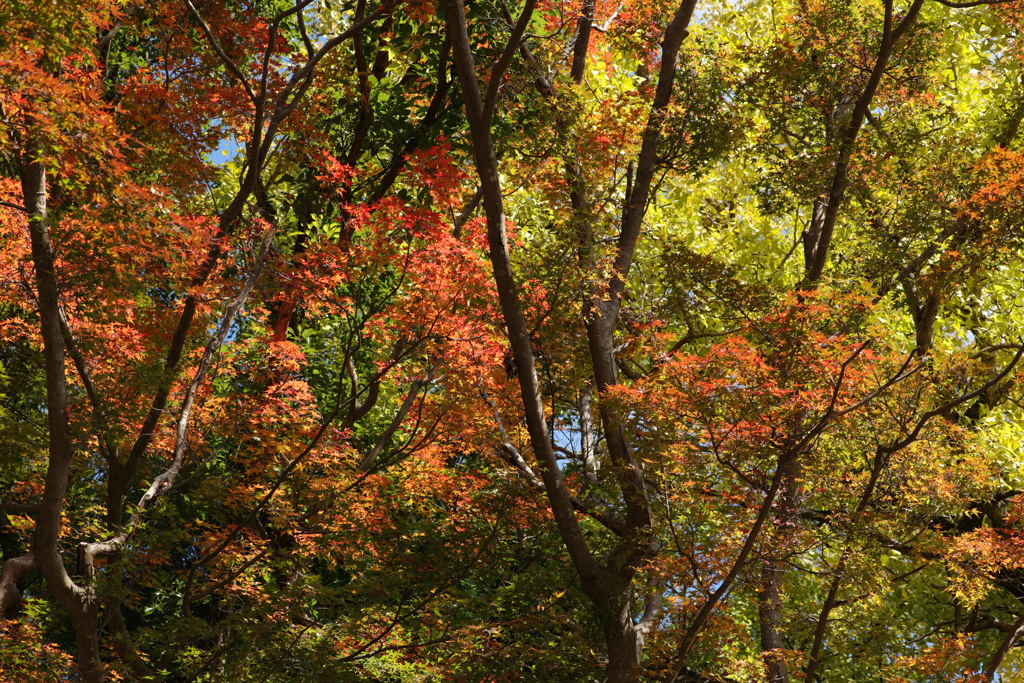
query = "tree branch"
{"x": 370, "y": 460}
{"x": 820, "y": 237}
{"x": 498, "y": 72}
{"x": 976, "y": 3}
{"x": 229, "y": 63}
{"x": 1011, "y": 638}
{"x": 11, "y": 572}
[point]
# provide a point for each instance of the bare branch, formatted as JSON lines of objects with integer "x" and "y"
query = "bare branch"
{"x": 310, "y": 50}
{"x": 508, "y": 296}
{"x": 976, "y": 3}
{"x": 540, "y": 79}
{"x": 653, "y": 608}
{"x": 17, "y": 207}
{"x": 819, "y": 236}
{"x": 282, "y": 106}
{"x": 691, "y": 336}
{"x": 900, "y": 375}
{"x": 88, "y": 552}
{"x": 296, "y": 9}
{"x": 995, "y": 347}
{"x": 467, "y": 212}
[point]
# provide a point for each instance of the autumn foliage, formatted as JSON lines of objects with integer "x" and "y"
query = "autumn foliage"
{"x": 553, "y": 341}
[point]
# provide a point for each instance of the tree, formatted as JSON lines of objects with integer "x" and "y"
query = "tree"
{"x": 793, "y": 436}
{"x": 303, "y": 414}
{"x": 82, "y": 129}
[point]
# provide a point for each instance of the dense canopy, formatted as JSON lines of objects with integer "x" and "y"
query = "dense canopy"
{"x": 479, "y": 341}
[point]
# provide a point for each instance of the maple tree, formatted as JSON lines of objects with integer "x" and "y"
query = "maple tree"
{"x": 475, "y": 342}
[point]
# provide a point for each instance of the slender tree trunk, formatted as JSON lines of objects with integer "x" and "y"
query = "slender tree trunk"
{"x": 770, "y": 617}
{"x": 607, "y": 584}
{"x": 79, "y": 603}
{"x": 818, "y": 237}
{"x": 773, "y": 574}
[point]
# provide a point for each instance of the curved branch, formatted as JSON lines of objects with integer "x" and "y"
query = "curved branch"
{"x": 302, "y": 78}
{"x": 912, "y": 436}
{"x": 1015, "y": 633}
{"x": 88, "y": 552}
{"x": 10, "y": 573}
{"x": 976, "y": 3}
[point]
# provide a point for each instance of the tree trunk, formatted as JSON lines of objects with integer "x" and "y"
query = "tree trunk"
{"x": 770, "y": 616}
{"x": 622, "y": 641}
{"x": 78, "y": 602}
{"x": 607, "y": 584}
